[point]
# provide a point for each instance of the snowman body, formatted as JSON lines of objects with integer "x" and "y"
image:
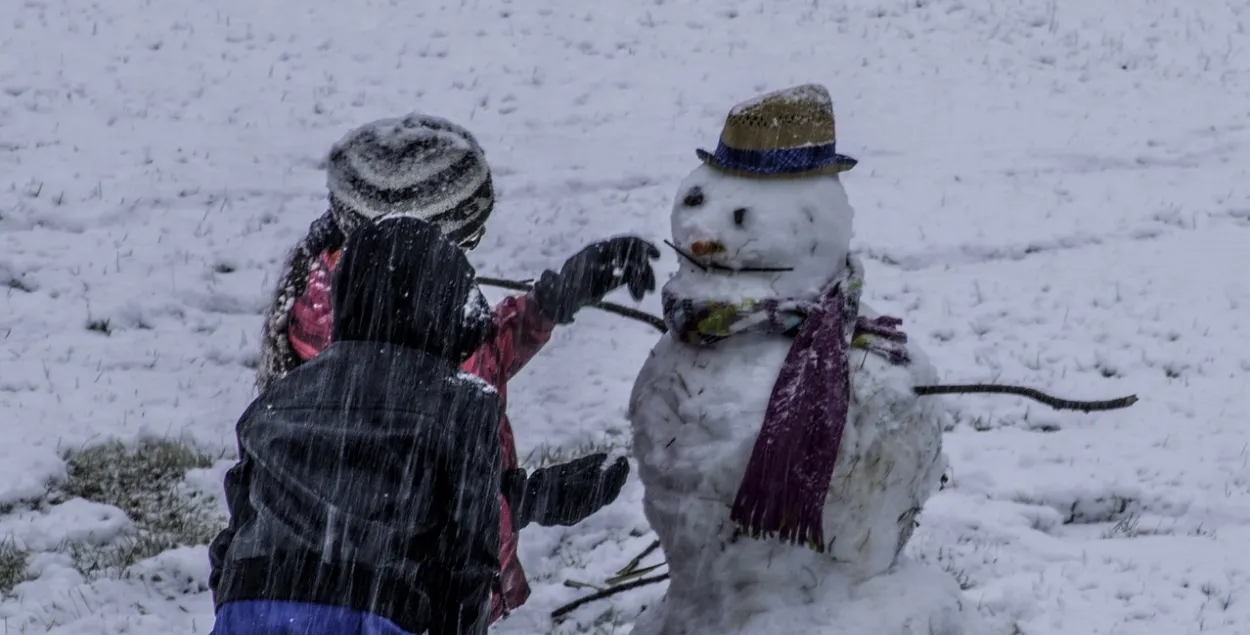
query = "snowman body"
{"x": 697, "y": 411}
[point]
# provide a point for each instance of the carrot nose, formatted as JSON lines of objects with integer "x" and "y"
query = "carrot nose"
{"x": 706, "y": 247}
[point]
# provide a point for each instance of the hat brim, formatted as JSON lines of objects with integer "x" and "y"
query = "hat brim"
{"x": 836, "y": 164}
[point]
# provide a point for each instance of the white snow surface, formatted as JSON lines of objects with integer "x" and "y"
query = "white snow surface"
{"x": 1050, "y": 193}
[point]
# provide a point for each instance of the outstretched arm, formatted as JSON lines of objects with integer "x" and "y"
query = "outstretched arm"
{"x": 521, "y": 330}
{"x": 523, "y": 324}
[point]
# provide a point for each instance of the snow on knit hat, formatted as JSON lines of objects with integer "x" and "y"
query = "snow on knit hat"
{"x": 417, "y": 165}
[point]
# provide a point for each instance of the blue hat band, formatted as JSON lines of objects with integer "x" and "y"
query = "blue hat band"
{"x": 778, "y": 161}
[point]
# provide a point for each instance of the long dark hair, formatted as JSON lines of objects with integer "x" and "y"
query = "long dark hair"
{"x": 277, "y": 358}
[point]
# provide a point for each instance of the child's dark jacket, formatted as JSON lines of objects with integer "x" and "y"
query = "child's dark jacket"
{"x": 298, "y": 328}
{"x": 368, "y": 479}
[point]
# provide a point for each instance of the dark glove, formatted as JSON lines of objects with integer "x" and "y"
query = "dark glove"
{"x": 564, "y": 494}
{"x": 593, "y": 273}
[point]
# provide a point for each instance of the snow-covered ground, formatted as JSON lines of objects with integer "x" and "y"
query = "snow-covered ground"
{"x": 1051, "y": 193}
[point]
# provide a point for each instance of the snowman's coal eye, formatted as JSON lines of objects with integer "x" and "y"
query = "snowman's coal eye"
{"x": 740, "y": 216}
{"x": 694, "y": 197}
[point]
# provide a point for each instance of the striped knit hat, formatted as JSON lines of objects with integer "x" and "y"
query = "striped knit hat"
{"x": 417, "y": 165}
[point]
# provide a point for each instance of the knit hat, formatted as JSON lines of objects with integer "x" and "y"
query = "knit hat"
{"x": 418, "y": 165}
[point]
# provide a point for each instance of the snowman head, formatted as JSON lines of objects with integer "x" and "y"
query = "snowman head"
{"x": 766, "y": 215}
{"x": 744, "y": 236}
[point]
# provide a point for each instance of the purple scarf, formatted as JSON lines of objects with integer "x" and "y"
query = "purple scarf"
{"x": 787, "y": 479}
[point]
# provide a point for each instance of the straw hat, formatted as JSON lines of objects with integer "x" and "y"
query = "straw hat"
{"x": 784, "y": 134}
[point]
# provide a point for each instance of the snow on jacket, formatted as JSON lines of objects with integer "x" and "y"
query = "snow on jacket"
{"x": 368, "y": 477}
{"x": 299, "y": 326}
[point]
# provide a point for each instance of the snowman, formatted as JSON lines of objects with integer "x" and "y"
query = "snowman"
{"x": 783, "y": 452}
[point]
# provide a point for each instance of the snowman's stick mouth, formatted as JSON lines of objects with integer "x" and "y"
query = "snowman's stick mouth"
{"x": 709, "y": 267}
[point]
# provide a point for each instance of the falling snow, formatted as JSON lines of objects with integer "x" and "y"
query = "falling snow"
{"x": 1050, "y": 193}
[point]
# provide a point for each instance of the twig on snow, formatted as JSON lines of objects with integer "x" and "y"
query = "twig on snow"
{"x": 630, "y": 575}
{"x": 606, "y": 593}
{"x": 637, "y": 560}
{"x": 1031, "y": 393}
{"x": 610, "y": 307}
{"x": 953, "y": 389}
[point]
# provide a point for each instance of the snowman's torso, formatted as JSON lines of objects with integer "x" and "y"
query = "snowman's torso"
{"x": 696, "y": 414}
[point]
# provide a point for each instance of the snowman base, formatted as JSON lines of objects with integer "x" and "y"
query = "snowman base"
{"x": 912, "y": 598}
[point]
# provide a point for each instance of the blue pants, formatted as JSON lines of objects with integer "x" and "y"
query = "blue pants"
{"x": 265, "y": 617}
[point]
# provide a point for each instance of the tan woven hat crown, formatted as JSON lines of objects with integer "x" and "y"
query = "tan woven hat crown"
{"x": 786, "y": 133}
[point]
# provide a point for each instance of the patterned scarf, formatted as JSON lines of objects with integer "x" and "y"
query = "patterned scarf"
{"x": 783, "y": 491}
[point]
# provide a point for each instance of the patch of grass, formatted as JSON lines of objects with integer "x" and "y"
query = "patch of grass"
{"x": 1130, "y": 527}
{"x": 1089, "y": 508}
{"x": 100, "y": 326}
{"x": 12, "y": 565}
{"x": 945, "y": 558}
{"x": 17, "y": 284}
{"x": 962, "y": 577}
{"x": 145, "y": 482}
{"x": 1201, "y": 532}
{"x": 1217, "y": 597}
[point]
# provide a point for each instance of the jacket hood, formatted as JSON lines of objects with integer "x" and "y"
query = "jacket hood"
{"x": 400, "y": 281}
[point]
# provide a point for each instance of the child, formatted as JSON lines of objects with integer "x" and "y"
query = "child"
{"x": 431, "y": 168}
{"x": 364, "y": 499}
